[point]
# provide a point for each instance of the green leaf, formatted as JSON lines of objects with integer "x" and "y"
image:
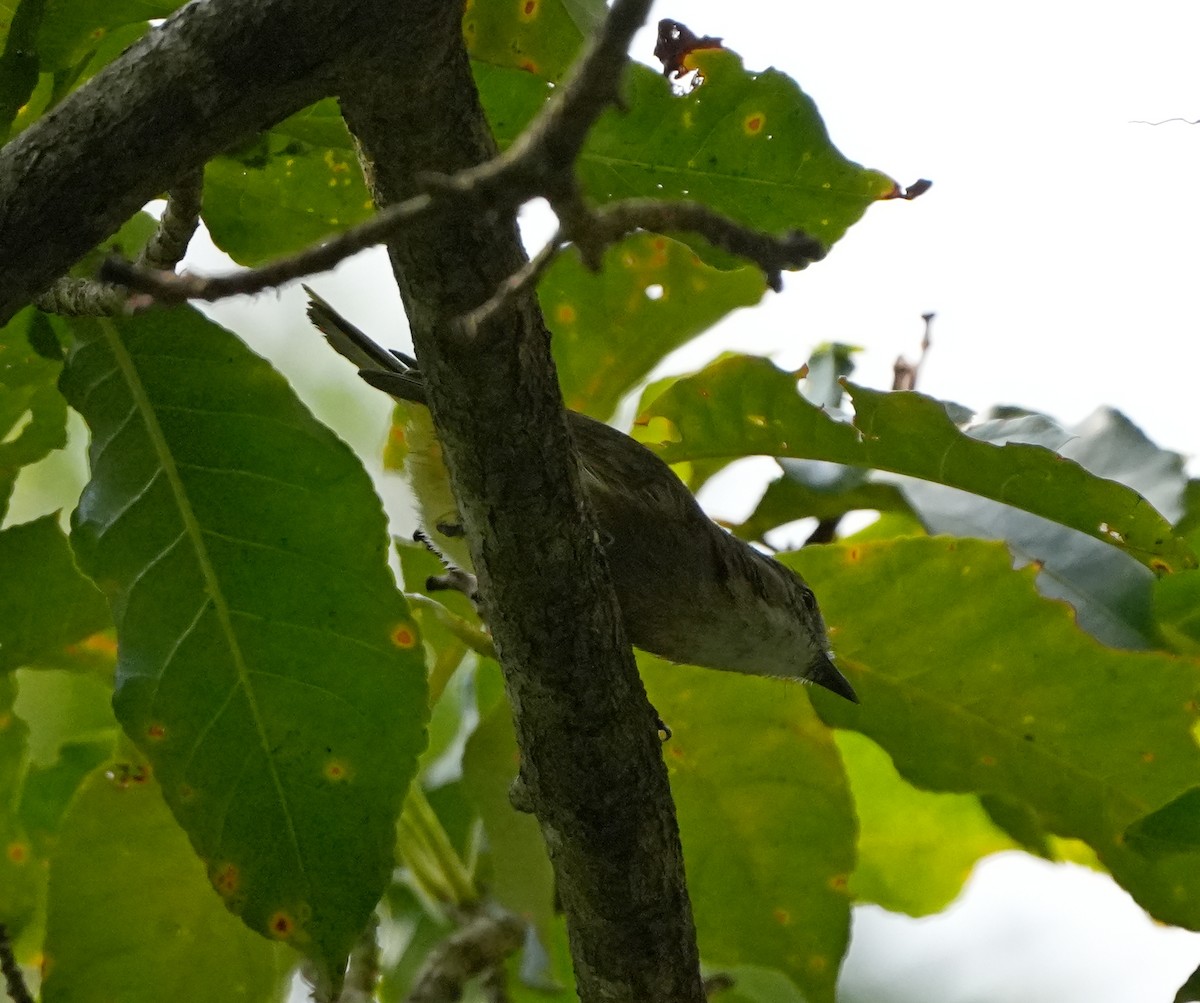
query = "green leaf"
{"x": 73, "y": 28}
{"x": 45, "y": 603}
{"x": 1177, "y": 610}
{"x": 766, "y": 820}
{"x": 520, "y": 875}
{"x": 269, "y": 668}
{"x": 971, "y": 681}
{"x": 19, "y": 61}
{"x": 129, "y": 915}
{"x": 20, "y": 876}
{"x": 540, "y": 37}
{"x": 906, "y": 863}
{"x": 49, "y": 789}
{"x": 751, "y": 145}
{"x": 745, "y": 406}
{"x": 1110, "y": 593}
{"x": 794, "y": 496}
{"x": 280, "y": 194}
{"x": 33, "y": 415}
{"x": 612, "y": 327}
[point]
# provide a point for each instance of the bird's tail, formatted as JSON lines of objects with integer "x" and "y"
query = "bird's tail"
{"x": 390, "y": 371}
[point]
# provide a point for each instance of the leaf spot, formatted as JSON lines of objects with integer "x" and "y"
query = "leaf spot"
{"x": 565, "y": 314}
{"x": 1148, "y": 757}
{"x": 987, "y": 760}
{"x": 281, "y": 925}
{"x": 529, "y": 9}
{"x": 17, "y": 852}
{"x": 781, "y": 916}
{"x": 123, "y": 775}
{"x": 404, "y": 636}
{"x": 336, "y": 771}
{"x": 227, "y": 879}
{"x": 156, "y": 732}
{"x": 753, "y": 123}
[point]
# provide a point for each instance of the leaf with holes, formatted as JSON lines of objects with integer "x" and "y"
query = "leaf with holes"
{"x": 751, "y": 145}
{"x": 611, "y": 327}
{"x": 33, "y": 417}
{"x": 45, "y": 603}
{"x": 121, "y": 857}
{"x": 280, "y": 193}
{"x": 746, "y": 406}
{"x": 268, "y": 666}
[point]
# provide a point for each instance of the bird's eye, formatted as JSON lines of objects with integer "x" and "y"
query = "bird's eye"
{"x": 808, "y": 600}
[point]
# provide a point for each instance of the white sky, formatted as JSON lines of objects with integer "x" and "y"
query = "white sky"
{"x": 1059, "y": 250}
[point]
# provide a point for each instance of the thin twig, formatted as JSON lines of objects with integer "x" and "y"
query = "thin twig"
{"x": 177, "y": 225}
{"x": 167, "y": 287}
{"x": 14, "y": 978}
{"x": 538, "y": 163}
{"x": 524, "y": 278}
{"x": 163, "y": 251}
{"x": 905, "y": 373}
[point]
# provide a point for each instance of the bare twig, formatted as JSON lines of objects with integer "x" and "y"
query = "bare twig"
{"x": 905, "y": 373}
{"x": 81, "y": 297}
{"x": 163, "y": 251}
{"x": 512, "y": 287}
{"x": 166, "y": 248}
{"x": 167, "y": 287}
{"x": 14, "y": 978}
{"x": 539, "y": 163}
{"x": 593, "y": 231}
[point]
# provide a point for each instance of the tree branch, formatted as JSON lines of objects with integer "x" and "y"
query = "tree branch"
{"x": 539, "y": 163}
{"x": 14, "y": 978}
{"x": 212, "y": 75}
{"x": 591, "y": 763}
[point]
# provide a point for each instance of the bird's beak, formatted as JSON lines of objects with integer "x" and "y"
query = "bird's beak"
{"x": 824, "y": 673}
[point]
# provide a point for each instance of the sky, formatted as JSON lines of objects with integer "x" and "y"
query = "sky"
{"x": 1058, "y": 248}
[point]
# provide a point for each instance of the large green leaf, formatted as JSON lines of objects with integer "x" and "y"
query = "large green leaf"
{"x": 20, "y": 875}
{"x": 745, "y": 406}
{"x": 971, "y": 681}
{"x": 520, "y": 876}
{"x": 71, "y": 29}
{"x": 766, "y": 820}
{"x": 613, "y": 326}
{"x": 129, "y": 915}
{"x": 1110, "y": 593}
{"x": 33, "y": 416}
{"x": 268, "y": 666}
{"x": 19, "y": 58}
{"x": 282, "y": 193}
{"x": 541, "y": 37}
{"x": 751, "y": 145}
{"x": 906, "y": 863}
{"x": 45, "y": 603}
